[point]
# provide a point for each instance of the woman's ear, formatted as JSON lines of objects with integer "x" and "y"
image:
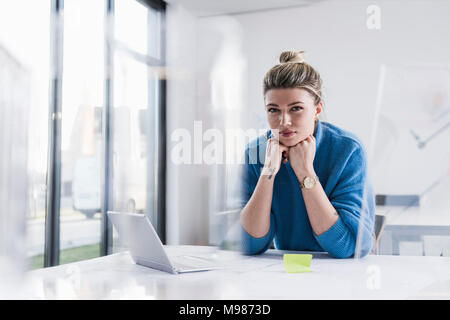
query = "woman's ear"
{"x": 319, "y": 108}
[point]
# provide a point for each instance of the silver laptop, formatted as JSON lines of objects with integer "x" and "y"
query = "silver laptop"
{"x": 137, "y": 233}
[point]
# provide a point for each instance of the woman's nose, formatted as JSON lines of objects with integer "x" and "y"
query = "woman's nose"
{"x": 285, "y": 119}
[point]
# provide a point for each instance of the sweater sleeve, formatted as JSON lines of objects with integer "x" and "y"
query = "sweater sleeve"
{"x": 353, "y": 199}
{"x": 252, "y": 245}
{"x": 249, "y": 244}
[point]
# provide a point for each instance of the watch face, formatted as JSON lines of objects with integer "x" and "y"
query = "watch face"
{"x": 309, "y": 182}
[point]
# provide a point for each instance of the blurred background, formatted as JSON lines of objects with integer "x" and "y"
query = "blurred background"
{"x": 96, "y": 97}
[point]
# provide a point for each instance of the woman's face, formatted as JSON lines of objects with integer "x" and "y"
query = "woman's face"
{"x": 292, "y": 112}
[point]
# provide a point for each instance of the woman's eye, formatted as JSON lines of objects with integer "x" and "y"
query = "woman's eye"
{"x": 297, "y": 108}
{"x": 272, "y": 110}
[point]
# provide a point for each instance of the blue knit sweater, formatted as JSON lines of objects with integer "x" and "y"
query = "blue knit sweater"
{"x": 341, "y": 166}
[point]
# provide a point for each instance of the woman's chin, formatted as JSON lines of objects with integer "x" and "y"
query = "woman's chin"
{"x": 293, "y": 141}
{"x": 290, "y": 142}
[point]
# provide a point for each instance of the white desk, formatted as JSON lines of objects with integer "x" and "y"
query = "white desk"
{"x": 256, "y": 277}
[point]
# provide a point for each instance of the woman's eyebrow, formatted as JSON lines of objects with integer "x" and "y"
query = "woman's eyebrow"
{"x": 290, "y": 104}
{"x": 296, "y": 102}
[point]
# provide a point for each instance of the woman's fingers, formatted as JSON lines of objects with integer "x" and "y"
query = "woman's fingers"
{"x": 284, "y": 152}
{"x": 277, "y": 150}
{"x": 274, "y": 144}
{"x": 309, "y": 139}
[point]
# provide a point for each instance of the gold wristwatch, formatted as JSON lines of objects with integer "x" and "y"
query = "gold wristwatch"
{"x": 308, "y": 182}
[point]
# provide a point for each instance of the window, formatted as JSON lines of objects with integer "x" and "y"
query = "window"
{"x": 138, "y": 125}
{"x": 81, "y": 141}
{"x": 87, "y": 122}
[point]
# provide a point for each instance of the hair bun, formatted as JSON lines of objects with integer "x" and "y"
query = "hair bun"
{"x": 292, "y": 57}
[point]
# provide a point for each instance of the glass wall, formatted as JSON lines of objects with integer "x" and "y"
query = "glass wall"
{"x": 377, "y": 84}
{"x": 410, "y": 144}
{"x": 76, "y": 32}
{"x": 24, "y": 86}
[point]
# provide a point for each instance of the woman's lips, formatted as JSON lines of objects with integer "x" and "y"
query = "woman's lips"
{"x": 287, "y": 133}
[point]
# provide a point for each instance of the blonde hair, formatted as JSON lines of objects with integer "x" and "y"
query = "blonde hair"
{"x": 294, "y": 72}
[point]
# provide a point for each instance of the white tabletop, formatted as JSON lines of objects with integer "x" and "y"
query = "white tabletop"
{"x": 256, "y": 277}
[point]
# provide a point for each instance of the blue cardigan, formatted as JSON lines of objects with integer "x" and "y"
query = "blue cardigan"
{"x": 341, "y": 166}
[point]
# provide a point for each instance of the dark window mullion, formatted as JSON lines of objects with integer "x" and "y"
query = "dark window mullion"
{"x": 156, "y": 137}
{"x": 162, "y": 132}
{"x": 53, "y": 196}
{"x": 106, "y": 242}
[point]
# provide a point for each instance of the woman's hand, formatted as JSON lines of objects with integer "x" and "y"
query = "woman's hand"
{"x": 274, "y": 152}
{"x": 302, "y": 156}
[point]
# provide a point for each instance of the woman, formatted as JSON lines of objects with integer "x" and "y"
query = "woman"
{"x": 312, "y": 190}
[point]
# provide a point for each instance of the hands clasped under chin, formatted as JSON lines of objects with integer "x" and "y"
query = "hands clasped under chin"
{"x": 301, "y": 156}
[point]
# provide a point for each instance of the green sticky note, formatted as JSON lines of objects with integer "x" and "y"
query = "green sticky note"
{"x": 297, "y": 263}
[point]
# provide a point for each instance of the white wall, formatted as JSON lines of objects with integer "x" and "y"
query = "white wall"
{"x": 347, "y": 54}
{"x": 338, "y": 44}
{"x": 187, "y": 218}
